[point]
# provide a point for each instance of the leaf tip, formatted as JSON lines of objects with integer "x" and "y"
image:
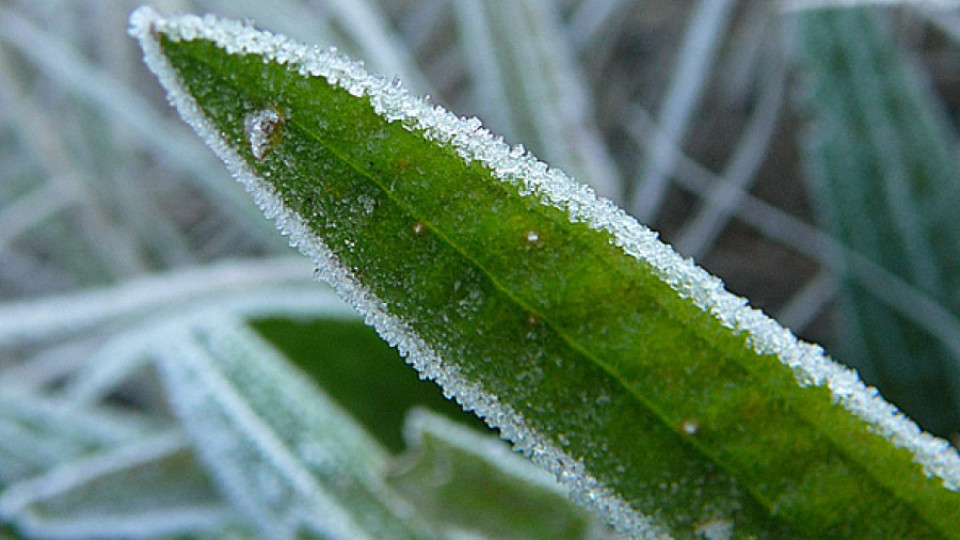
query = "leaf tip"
{"x": 144, "y": 22}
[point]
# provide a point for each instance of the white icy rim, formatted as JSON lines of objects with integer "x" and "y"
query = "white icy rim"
{"x": 551, "y": 186}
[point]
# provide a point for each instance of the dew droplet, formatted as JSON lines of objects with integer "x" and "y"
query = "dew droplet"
{"x": 262, "y": 128}
{"x": 532, "y": 237}
{"x": 532, "y": 320}
{"x": 690, "y": 426}
{"x": 419, "y": 228}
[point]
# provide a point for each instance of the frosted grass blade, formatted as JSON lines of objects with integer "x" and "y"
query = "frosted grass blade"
{"x": 162, "y": 136}
{"x": 658, "y": 399}
{"x": 121, "y": 356}
{"x": 59, "y": 316}
{"x": 528, "y": 87}
{"x": 365, "y": 23}
{"x": 879, "y": 165}
{"x": 282, "y": 453}
{"x": 687, "y": 84}
{"x": 39, "y": 431}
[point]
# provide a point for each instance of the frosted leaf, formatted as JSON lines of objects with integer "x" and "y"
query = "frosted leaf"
{"x": 530, "y": 177}
{"x": 255, "y": 472}
{"x": 421, "y": 423}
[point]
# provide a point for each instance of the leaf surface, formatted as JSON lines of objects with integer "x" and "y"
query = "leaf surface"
{"x": 662, "y": 401}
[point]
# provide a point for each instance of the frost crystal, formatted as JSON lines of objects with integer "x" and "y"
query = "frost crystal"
{"x": 533, "y": 238}
{"x": 532, "y": 177}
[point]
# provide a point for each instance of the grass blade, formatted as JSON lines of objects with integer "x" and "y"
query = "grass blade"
{"x": 37, "y": 433}
{"x": 289, "y": 458}
{"x": 528, "y": 87}
{"x": 686, "y": 87}
{"x": 148, "y": 488}
{"x": 360, "y": 373}
{"x": 880, "y": 167}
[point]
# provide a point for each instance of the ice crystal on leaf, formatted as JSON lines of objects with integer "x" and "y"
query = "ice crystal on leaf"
{"x": 262, "y": 129}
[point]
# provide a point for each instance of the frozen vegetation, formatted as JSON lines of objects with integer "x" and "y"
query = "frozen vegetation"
{"x": 149, "y": 381}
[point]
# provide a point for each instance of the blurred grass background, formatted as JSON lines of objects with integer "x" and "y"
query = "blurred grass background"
{"x": 806, "y": 156}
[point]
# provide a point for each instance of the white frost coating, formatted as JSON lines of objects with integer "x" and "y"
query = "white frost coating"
{"x": 551, "y": 186}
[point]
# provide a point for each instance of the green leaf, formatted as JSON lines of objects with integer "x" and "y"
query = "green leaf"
{"x": 660, "y": 400}
{"x": 881, "y": 167}
{"x": 470, "y": 481}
